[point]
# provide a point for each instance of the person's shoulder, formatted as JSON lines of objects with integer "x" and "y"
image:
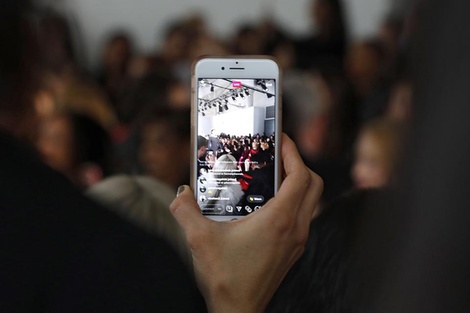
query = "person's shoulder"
{"x": 80, "y": 256}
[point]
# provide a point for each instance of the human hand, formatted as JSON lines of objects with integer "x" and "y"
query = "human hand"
{"x": 240, "y": 264}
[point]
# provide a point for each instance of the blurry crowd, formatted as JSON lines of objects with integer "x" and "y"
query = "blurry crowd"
{"x": 347, "y": 103}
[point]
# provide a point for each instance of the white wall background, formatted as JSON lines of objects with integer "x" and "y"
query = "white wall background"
{"x": 234, "y": 122}
{"x": 146, "y": 19}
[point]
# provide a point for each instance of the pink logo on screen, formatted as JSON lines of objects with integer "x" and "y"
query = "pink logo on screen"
{"x": 236, "y": 84}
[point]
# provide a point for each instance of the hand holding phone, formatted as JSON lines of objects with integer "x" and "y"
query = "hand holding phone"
{"x": 240, "y": 264}
{"x": 236, "y": 106}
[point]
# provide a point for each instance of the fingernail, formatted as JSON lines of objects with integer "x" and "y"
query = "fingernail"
{"x": 180, "y": 190}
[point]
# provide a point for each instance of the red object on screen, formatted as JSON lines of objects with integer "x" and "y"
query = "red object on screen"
{"x": 236, "y": 84}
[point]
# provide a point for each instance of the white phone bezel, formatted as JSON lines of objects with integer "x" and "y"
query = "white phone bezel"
{"x": 235, "y": 67}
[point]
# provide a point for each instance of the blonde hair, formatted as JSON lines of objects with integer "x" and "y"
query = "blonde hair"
{"x": 389, "y": 135}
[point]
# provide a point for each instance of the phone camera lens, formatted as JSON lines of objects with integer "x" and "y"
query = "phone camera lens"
{"x": 223, "y": 68}
{"x": 236, "y": 62}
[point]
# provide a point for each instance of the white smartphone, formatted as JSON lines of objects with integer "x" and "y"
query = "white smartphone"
{"x": 236, "y": 133}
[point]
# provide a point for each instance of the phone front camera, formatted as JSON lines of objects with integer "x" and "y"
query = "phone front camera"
{"x": 223, "y": 68}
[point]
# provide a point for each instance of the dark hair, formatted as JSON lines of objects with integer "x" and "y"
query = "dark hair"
{"x": 91, "y": 142}
{"x": 178, "y": 121}
{"x": 150, "y": 94}
{"x": 201, "y": 142}
{"x": 261, "y": 157}
{"x": 18, "y": 60}
{"x": 338, "y": 24}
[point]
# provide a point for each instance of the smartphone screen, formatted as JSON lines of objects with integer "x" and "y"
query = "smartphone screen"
{"x": 237, "y": 146}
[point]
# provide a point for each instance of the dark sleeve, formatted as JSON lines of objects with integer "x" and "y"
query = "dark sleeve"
{"x": 60, "y": 252}
{"x": 318, "y": 281}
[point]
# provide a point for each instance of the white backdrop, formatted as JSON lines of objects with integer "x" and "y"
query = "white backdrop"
{"x": 146, "y": 19}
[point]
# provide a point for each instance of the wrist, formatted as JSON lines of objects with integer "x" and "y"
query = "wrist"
{"x": 226, "y": 302}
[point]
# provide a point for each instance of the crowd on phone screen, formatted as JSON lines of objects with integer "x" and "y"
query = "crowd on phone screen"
{"x": 347, "y": 102}
{"x": 251, "y": 168}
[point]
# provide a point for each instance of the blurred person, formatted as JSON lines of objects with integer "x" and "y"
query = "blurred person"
{"x": 44, "y": 102}
{"x": 202, "y": 165}
{"x": 254, "y": 150}
{"x": 342, "y": 123}
{"x": 271, "y": 33}
{"x": 247, "y": 41}
{"x": 390, "y": 35}
{"x": 77, "y": 146}
{"x": 307, "y": 112}
{"x": 318, "y": 115}
{"x": 214, "y": 144}
{"x": 284, "y": 52}
{"x": 175, "y": 43}
{"x": 211, "y": 157}
{"x": 378, "y": 150}
{"x": 156, "y": 90}
{"x": 364, "y": 66}
{"x": 200, "y": 42}
{"x": 165, "y": 146}
{"x": 84, "y": 258}
{"x": 366, "y": 73}
{"x": 142, "y": 65}
{"x": 74, "y": 92}
{"x": 54, "y": 32}
{"x": 266, "y": 151}
{"x": 145, "y": 202}
{"x": 244, "y": 156}
{"x": 184, "y": 41}
{"x": 116, "y": 56}
{"x": 178, "y": 94}
{"x": 327, "y": 46}
{"x": 76, "y": 260}
{"x": 400, "y": 105}
{"x": 206, "y": 44}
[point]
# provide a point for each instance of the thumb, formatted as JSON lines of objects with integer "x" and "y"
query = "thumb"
{"x": 186, "y": 211}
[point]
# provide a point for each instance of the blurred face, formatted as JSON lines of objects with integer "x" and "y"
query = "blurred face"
{"x": 362, "y": 63}
{"x": 321, "y": 14}
{"x": 55, "y": 144}
{"x": 179, "y": 96}
{"x": 117, "y": 53}
{"x": 400, "y": 105}
{"x": 162, "y": 155}
{"x": 370, "y": 169}
{"x": 210, "y": 158}
{"x": 175, "y": 46}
